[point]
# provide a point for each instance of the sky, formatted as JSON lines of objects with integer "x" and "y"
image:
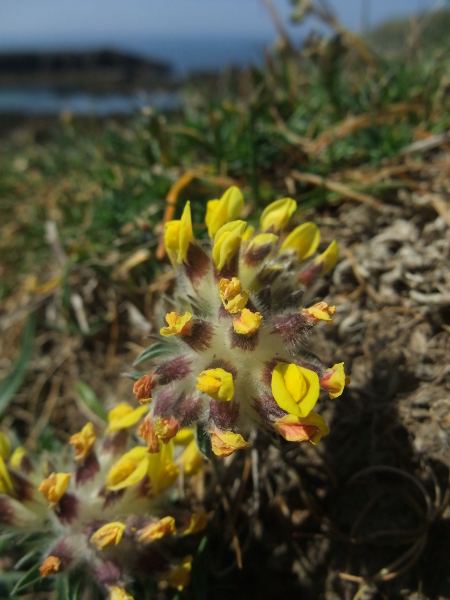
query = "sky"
{"x": 31, "y": 23}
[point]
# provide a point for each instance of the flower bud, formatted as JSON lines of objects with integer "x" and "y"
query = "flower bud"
{"x": 276, "y": 216}
{"x": 178, "y": 236}
{"x": 303, "y": 240}
{"x": 226, "y": 243}
{"x": 228, "y": 208}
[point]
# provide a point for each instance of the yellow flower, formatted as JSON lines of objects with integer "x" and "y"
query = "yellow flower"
{"x": 158, "y": 530}
{"x": 191, "y": 460}
{"x": 319, "y": 312}
{"x": 54, "y": 487}
{"x": 177, "y": 325}
{"x": 328, "y": 258}
{"x": 118, "y": 593}
{"x": 131, "y": 468}
{"x": 108, "y": 535}
{"x": 304, "y": 240}
{"x": 302, "y": 429}
{"x": 276, "y": 216}
{"x": 180, "y": 576}
{"x": 6, "y": 486}
{"x": 226, "y": 243}
{"x": 178, "y": 235}
{"x": 124, "y": 416}
{"x": 217, "y": 383}
{"x": 184, "y": 437}
{"x": 50, "y": 566}
{"x": 228, "y": 208}
{"x": 295, "y": 388}
{"x": 232, "y": 296}
{"x": 334, "y": 380}
{"x": 247, "y": 323}
{"x": 198, "y": 522}
{"x": 83, "y": 441}
{"x": 224, "y": 443}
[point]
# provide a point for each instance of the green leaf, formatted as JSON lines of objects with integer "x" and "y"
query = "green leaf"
{"x": 14, "y": 380}
{"x": 62, "y": 589}
{"x": 134, "y": 375}
{"x": 23, "y": 561}
{"x": 203, "y": 440}
{"x": 30, "y": 577}
{"x": 87, "y": 395}
{"x": 153, "y": 351}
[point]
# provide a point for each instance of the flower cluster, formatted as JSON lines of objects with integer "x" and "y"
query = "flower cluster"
{"x": 238, "y": 330}
{"x": 100, "y": 507}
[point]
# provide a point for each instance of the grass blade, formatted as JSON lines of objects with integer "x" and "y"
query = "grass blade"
{"x": 14, "y": 380}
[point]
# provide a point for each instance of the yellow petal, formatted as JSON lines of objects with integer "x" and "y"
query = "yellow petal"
{"x": 217, "y": 383}
{"x": 247, "y": 323}
{"x": 262, "y": 239}
{"x": 228, "y": 208}
{"x": 198, "y": 522}
{"x": 124, "y": 416}
{"x": 118, "y": 593}
{"x": 320, "y": 312}
{"x": 177, "y": 325}
{"x": 108, "y": 535}
{"x": 304, "y": 240}
{"x": 54, "y": 487}
{"x": 276, "y": 216}
{"x": 184, "y": 437}
{"x": 191, "y": 460}
{"x": 83, "y": 441}
{"x": 328, "y": 258}
{"x": 295, "y": 388}
{"x": 233, "y": 297}
{"x": 178, "y": 235}
{"x": 226, "y": 243}
{"x": 224, "y": 443}
{"x": 335, "y": 380}
{"x": 301, "y": 429}
{"x": 129, "y": 469}
{"x": 158, "y": 530}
